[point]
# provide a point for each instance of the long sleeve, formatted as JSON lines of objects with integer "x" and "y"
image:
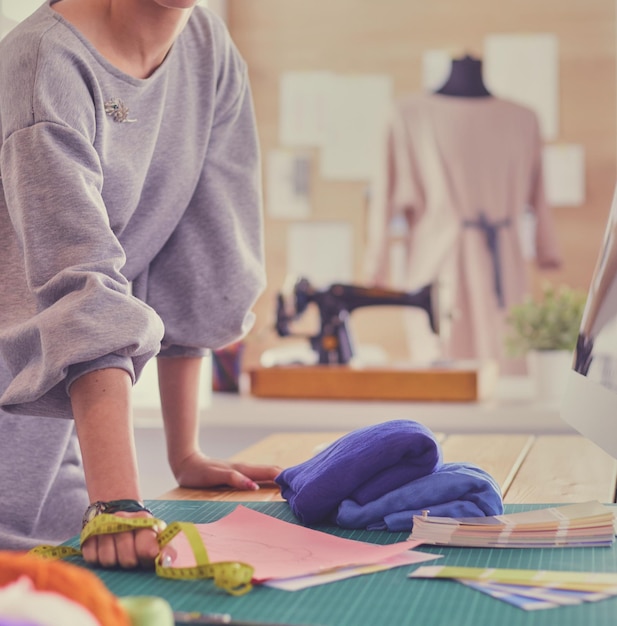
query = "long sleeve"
{"x": 207, "y": 277}
{"x": 397, "y": 192}
{"x": 79, "y": 309}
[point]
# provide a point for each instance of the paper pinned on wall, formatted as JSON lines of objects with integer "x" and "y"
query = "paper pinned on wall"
{"x": 18, "y": 10}
{"x": 436, "y": 67}
{"x": 525, "y": 69}
{"x": 6, "y": 25}
{"x": 564, "y": 174}
{"x": 288, "y": 185}
{"x": 322, "y": 252}
{"x": 217, "y": 6}
{"x": 344, "y": 115}
{"x": 303, "y": 104}
{"x": 355, "y": 123}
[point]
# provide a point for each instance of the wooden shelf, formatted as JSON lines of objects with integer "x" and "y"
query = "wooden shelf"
{"x": 460, "y": 383}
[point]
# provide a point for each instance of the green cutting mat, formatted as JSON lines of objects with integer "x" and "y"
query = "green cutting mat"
{"x": 386, "y": 598}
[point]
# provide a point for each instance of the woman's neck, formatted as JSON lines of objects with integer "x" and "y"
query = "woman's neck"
{"x": 133, "y": 35}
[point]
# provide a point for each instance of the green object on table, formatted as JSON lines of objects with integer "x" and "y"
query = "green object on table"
{"x": 384, "y": 598}
{"x": 148, "y": 611}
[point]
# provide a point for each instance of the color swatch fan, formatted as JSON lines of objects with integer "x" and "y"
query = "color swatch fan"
{"x": 586, "y": 525}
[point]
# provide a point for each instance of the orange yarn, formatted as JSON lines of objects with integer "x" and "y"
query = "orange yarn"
{"x": 73, "y": 582}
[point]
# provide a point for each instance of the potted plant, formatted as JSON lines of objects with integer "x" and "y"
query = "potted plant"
{"x": 545, "y": 330}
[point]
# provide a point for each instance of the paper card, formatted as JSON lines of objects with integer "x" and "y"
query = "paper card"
{"x": 411, "y": 557}
{"x": 278, "y": 549}
{"x": 525, "y": 69}
{"x": 562, "y": 597}
{"x": 549, "y": 518}
{"x": 18, "y": 10}
{"x": 303, "y": 107}
{"x": 564, "y": 174}
{"x": 322, "y": 252}
{"x": 581, "y": 524}
{"x": 6, "y": 25}
{"x": 500, "y": 592}
{"x": 355, "y": 126}
{"x": 436, "y": 68}
{"x": 288, "y": 185}
{"x": 578, "y": 513}
{"x": 534, "y": 598}
{"x": 217, "y": 6}
{"x": 582, "y": 581}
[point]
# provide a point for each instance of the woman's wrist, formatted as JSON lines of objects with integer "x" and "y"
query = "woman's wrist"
{"x": 179, "y": 380}
{"x": 179, "y": 462}
{"x": 113, "y": 506}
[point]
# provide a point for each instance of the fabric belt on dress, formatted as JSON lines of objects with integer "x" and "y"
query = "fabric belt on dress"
{"x": 491, "y": 234}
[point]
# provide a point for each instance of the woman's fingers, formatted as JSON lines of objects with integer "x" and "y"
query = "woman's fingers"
{"x": 137, "y": 548}
{"x": 243, "y": 476}
{"x": 100, "y": 550}
{"x": 198, "y": 471}
{"x": 146, "y": 547}
{"x": 259, "y": 473}
{"x": 89, "y": 550}
{"x": 125, "y": 549}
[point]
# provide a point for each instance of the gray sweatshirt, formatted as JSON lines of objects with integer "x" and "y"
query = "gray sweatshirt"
{"x": 130, "y": 211}
{"x": 108, "y": 179}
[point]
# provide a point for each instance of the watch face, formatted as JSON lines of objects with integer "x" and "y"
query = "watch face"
{"x": 96, "y": 508}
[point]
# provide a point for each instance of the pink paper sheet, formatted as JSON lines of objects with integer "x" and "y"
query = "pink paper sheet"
{"x": 278, "y": 549}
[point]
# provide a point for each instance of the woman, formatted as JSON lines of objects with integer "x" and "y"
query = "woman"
{"x": 131, "y": 226}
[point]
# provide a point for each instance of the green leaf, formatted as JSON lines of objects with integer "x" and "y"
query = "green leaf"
{"x": 549, "y": 323}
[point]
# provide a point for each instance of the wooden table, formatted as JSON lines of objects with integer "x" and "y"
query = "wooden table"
{"x": 530, "y": 469}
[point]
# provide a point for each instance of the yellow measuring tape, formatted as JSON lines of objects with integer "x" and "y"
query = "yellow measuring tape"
{"x": 234, "y": 577}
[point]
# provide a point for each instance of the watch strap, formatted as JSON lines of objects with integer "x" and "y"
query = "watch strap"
{"x": 112, "y": 506}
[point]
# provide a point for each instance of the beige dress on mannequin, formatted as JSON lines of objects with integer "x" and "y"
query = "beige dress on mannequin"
{"x": 462, "y": 172}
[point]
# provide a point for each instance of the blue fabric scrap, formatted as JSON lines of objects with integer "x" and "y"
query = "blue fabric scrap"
{"x": 363, "y": 465}
{"x": 454, "y": 490}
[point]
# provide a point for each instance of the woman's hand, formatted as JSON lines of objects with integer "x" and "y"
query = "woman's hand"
{"x": 128, "y": 550}
{"x": 179, "y": 385}
{"x": 197, "y": 471}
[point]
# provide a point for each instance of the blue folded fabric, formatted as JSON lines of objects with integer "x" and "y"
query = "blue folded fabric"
{"x": 454, "y": 490}
{"x": 363, "y": 465}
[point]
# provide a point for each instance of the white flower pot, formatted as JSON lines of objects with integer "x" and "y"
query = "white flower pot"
{"x": 548, "y": 369}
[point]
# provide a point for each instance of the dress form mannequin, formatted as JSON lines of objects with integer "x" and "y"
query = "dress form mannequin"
{"x": 465, "y": 79}
{"x": 448, "y": 171}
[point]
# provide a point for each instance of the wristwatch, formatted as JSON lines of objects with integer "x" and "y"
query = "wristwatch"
{"x": 113, "y": 506}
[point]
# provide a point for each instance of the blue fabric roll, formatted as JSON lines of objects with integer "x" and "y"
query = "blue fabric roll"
{"x": 454, "y": 490}
{"x": 362, "y": 465}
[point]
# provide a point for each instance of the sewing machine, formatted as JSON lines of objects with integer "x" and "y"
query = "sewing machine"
{"x": 333, "y": 343}
{"x": 335, "y": 374}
